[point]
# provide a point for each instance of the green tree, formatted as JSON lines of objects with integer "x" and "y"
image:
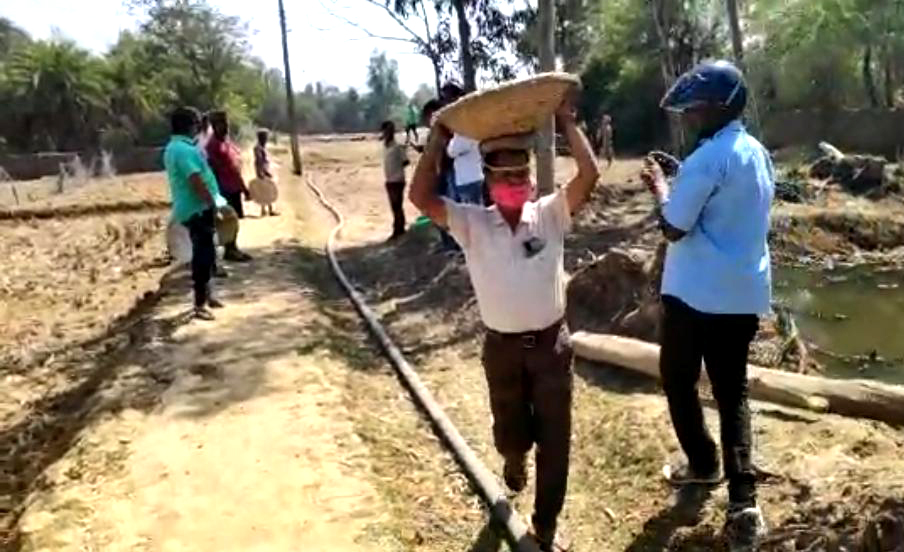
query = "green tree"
{"x": 200, "y": 51}
{"x": 385, "y": 96}
{"x": 55, "y": 94}
{"x": 138, "y": 96}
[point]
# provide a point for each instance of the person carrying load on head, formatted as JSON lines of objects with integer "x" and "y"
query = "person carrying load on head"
{"x": 262, "y": 169}
{"x": 514, "y": 254}
{"x": 716, "y": 282}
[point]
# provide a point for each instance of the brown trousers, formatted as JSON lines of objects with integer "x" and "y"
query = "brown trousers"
{"x": 529, "y": 377}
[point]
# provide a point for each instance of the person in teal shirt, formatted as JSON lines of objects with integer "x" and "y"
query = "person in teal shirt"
{"x": 412, "y": 117}
{"x": 195, "y": 198}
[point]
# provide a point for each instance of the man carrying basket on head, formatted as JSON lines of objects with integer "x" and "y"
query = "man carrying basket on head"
{"x": 514, "y": 253}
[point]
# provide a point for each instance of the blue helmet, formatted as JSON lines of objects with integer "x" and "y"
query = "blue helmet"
{"x": 715, "y": 82}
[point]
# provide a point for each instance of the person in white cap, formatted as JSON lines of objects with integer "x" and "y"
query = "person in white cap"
{"x": 514, "y": 252}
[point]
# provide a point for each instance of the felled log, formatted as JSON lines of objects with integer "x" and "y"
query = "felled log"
{"x": 854, "y": 398}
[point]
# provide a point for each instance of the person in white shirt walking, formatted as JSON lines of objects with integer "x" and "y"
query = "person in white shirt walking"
{"x": 514, "y": 253}
{"x": 468, "y": 169}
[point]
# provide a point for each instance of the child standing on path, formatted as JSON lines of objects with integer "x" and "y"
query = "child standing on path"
{"x": 262, "y": 166}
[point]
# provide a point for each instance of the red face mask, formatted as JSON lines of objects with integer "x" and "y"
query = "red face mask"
{"x": 511, "y": 194}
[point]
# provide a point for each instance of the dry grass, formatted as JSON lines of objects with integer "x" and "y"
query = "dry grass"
{"x": 43, "y": 193}
{"x": 64, "y": 281}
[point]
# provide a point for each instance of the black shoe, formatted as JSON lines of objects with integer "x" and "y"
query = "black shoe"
{"x": 220, "y": 272}
{"x": 215, "y": 303}
{"x": 514, "y": 473}
{"x": 744, "y": 528}
{"x": 202, "y": 313}
{"x": 686, "y": 475}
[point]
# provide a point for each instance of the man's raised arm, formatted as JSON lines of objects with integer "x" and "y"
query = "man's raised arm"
{"x": 423, "y": 185}
{"x": 578, "y": 190}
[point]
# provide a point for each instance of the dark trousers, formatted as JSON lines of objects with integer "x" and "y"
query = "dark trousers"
{"x": 409, "y": 130}
{"x": 396, "y": 193}
{"x": 234, "y": 199}
{"x": 722, "y": 341}
{"x": 530, "y": 383}
{"x": 203, "y": 254}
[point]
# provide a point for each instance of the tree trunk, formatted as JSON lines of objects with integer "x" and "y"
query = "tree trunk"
{"x": 437, "y": 72}
{"x": 889, "y": 79}
{"x": 869, "y": 84}
{"x": 468, "y": 71}
{"x": 667, "y": 67}
{"x": 737, "y": 38}
{"x": 854, "y": 398}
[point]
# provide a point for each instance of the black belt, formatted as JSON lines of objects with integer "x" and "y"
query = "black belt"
{"x": 529, "y": 340}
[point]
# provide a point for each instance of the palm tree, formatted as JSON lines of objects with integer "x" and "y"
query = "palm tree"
{"x": 57, "y": 94}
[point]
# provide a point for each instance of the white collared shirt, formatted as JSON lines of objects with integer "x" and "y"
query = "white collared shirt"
{"x": 516, "y": 291}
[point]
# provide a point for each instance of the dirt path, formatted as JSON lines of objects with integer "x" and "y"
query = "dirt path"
{"x": 251, "y": 446}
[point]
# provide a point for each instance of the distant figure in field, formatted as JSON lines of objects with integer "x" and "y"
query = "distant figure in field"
{"x": 394, "y": 162}
{"x": 607, "y": 147}
{"x": 196, "y": 198}
{"x": 223, "y": 156}
{"x": 262, "y": 166}
{"x": 412, "y": 117}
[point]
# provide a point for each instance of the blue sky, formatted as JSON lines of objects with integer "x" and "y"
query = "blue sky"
{"x": 322, "y": 47}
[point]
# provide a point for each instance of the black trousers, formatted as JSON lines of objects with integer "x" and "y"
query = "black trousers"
{"x": 234, "y": 199}
{"x": 722, "y": 341}
{"x": 396, "y": 193}
{"x": 204, "y": 254}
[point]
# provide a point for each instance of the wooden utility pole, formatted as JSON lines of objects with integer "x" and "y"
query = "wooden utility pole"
{"x": 546, "y": 137}
{"x": 290, "y": 95}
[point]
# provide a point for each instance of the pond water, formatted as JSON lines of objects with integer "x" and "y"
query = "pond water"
{"x": 855, "y": 311}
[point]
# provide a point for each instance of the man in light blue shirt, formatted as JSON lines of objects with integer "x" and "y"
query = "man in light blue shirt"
{"x": 716, "y": 282}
